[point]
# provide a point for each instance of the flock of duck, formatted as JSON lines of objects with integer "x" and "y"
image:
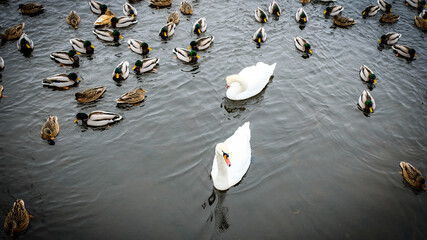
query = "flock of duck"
{"x": 249, "y": 82}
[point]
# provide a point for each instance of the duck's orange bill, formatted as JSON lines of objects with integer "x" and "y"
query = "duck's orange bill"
{"x": 76, "y": 120}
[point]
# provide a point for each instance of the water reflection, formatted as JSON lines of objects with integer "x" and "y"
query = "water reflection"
{"x": 219, "y": 214}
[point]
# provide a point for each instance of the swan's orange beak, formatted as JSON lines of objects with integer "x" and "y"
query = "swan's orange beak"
{"x": 227, "y": 160}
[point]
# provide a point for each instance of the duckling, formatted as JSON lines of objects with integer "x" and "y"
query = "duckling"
{"x": 98, "y": 7}
{"x": 343, "y": 21}
{"x": 90, "y": 94}
{"x": 132, "y": 97}
{"x": 108, "y": 35}
{"x": 390, "y": 38}
{"x": 167, "y": 30}
{"x": 366, "y": 102}
{"x": 200, "y": 26}
{"x": 173, "y": 17}
{"x": 186, "y": 8}
{"x": 302, "y": 45}
{"x": 129, "y": 10}
{"x": 384, "y": 6}
{"x": 423, "y": 15}
{"x": 301, "y": 16}
{"x": 82, "y": 46}
{"x": 367, "y": 75}
{"x": 121, "y": 72}
{"x": 334, "y": 10}
{"x": 121, "y": 22}
{"x": 66, "y": 58}
{"x": 1, "y": 64}
{"x": 13, "y": 32}
{"x": 260, "y": 35}
{"x": 419, "y": 4}
{"x": 260, "y": 15}
{"x": 404, "y": 51}
{"x": 370, "y": 11}
{"x": 25, "y": 44}
{"x": 17, "y": 219}
{"x": 73, "y": 19}
{"x": 145, "y": 65}
{"x": 50, "y": 128}
{"x": 413, "y": 176}
{"x": 274, "y": 8}
{"x": 389, "y": 18}
{"x": 98, "y": 118}
{"x": 61, "y": 81}
{"x": 139, "y": 47}
{"x": 161, "y": 3}
{"x": 104, "y": 19}
{"x": 31, "y": 8}
{"x": 421, "y": 23}
{"x": 201, "y": 43}
{"x": 186, "y": 55}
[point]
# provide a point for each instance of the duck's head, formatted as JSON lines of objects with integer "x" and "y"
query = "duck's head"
{"x": 276, "y": 10}
{"x": 193, "y": 55}
{"x": 259, "y": 37}
{"x": 47, "y": 132}
{"x": 222, "y": 150}
{"x": 263, "y": 17}
{"x": 303, "y": 18}
{"x": 164, "y": 32}
{"x": 388, "y": 8}
{"x": 117, "y": 72}
{"x": 308, "y": 48}
{"x": 114, "y": 21}
{"x": 71, "y": 53}
{"x": 423, "y": 3}
{"x": 73, "y": 76}
{"x": 368, "y": 105}
{"x": 412, "y": 53}
{"x": 103, "y": 8}
{"x": 138, "y": 64}
{"x": 25, "y": 43}
{"x": 132, "y": 13}
{"x": 116, "y": 35}
{"x": 197, "y": 29}
{"x": 328, "y": 10}
{"x": 383, "y": 39}
{"x": 365, "y": 11}
{"x": 423, "y": 183}
{"x": 193, "y": 45}
{"x": 372, "y": 78}
{"x": 81, "y": 116}
{"x": 87, "y": 44}
{"x": 145, "y": 46}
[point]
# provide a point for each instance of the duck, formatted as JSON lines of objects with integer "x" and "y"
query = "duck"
{"x": 404, "y": 51}
{"x": 73, "y": 19}
{"x": 82, "y": 46}
{"x": 104, "y": 19}
{"x": 66, "y": 58}
{"x": 302, "y": 45}
{"x": 201, "y": 43}
{"x": 186, "y": 55}
{"x": 139, "y": 47}
{"x": 232, "y": 159}
{"x": 384, "y": 6}
{"x": 50, "y": 128}
{"x": 416, "y": 3}
{"x": 145, "y": 65}
{"x": 274, "y": 8}
{"x": 17, "y": 219}
{"x": 260, "y": 35}
{"x": 343, "y": 21}
{"x": 108, "y": 35}
{"x": 413, "y": 176}
{"x": 390, "y": 38}
{"x": 167, "y": 30}
{"x": 121, "y": 72}
{"x": 31, "y": 8}
{"x": 249, "y": 82}
{"x": 161, "y": 3}
{"x": 389, "y": 18}
{"x": 90, "y": 94}
{"x": 61, "y": 80}
{"x": 132, "y": 97}
{"x": 1, "y": 64}
{"x": 334, "y": 10}
{"x": 370, "y": 11}
{"x": 367, "y": 75}
{"x": 423, "y": 14}
{"x": 121, "y": 22}
{"x": 366, "y": 102}
{"x": 200, "y": 26}
{"x": 421, "y": 23}
{"x": 260, "y": 15}
{"x": 129, "y": 10}
{"x": 186, "y": 8}
{"x": 173, "y": 17}
{"x": 301, "y": 16}
{"x": 98, "y": 118}
{"x": 98, "y": 7}
{"x": 13, "y": 32}
{"x": 25, "y": 44}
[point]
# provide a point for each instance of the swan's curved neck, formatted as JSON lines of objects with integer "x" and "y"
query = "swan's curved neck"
{"x": 236, "y": 79}
{"x": 222, "y": 166}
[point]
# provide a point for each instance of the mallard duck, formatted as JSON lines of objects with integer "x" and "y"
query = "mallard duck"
{"x": 31, "y": 8}
{"x": 390, "y": 38}
{"x": 167, "y": 30}
{"x": 129, "y": 10}
{"x": 17, "y": 219}
{"x": 13, "y": 32}
{"x": 384, "y": 6}
{"x": 186, "y": 8}
{"x": 121, "y": 72}
{"x": 334, "y": 10}
{"x": 82, "y": 46}
{"x": 98, "y": 7}
{"x": 416, "y": 3}
{"x": 389, "y": 18}
{"x": 260, "y": 35}
{"x": 301, "y": 16}
{"x": 73, "y": 19}
{"x": 132, "y": 97}
{"x": 367, "y": 75}
{"x": 186, "y": 55}
{"x": 25, "y": 44}
{"x": 139, "y": 47}
{"x": 366, "y": 102}
{"x": 1, "y": 91}
{"x": 104, "y": 19}
{"x": 66, "y": 58}
{"x": 413, "y": 176}
{"x": 98, "y": 118}
{"x": 201, "y": 43}
{"x": 274, "y": 8}
{"x": 1, "y": 64}
{"x": 161, "y": 3}
{"x": 173, "y": 17}
{"x": 121, "y": 22}
{"x": 423, "y": 14}
{"x": 50, "y": 128}
{"x": 90, "y": 94}
{"x": 343, "y": 21}
{"x": 62, "y": 80}
{"x": 370, "y": 11}
{"x": 145, "y": 65}
{"x": 404, "y": 51}
{"x": 302, "y": 45}
{"x": 260, "y": 15}
{"x": 421, "y": 23}
{"x": 200, "y": 26}
{"x": 108, "y": 35}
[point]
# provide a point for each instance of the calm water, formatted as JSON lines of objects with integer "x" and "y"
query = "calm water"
{"x": 320, "y": 168}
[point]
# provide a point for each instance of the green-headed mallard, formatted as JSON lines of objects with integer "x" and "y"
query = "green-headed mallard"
{"x": 334, "y": 10}
{"x": 17, "y": 219}
{"x": 13, "y": 32}
{"x": 132, "y": 97}
{"x": 370, "y": 11}
{"x": 31, "y": 8}
{"x": 173, "y": 17}
{"x": 145, "y": 65}
{"x": 205, "y": 42}
{"x": 419, "y": 4}
{"x": 50, "y": 128}
{"x": 389, "y": 18}
{"x": 200, "y": 26}
{"x": 98, "y": 7}
{"x": 366, "y": 102}
{"x": 421, "y": 23}
{"x": 121, "y": 22}
{"x": 25, "y": 44}
{"x": 302, "y": 44}
{"x": 274, "y": 8}
{"x": 413, "y": 176}
{"x": 404, "y": 51}
{"x": 260, "y": 15}
{"x": 98, "y": 118}
{"x": 341, "y": 21}
{"x": 186, "y": 55}
{"x": 73, "y": 19}
{"x": 66, "y": 58}
{"x": 367, "y": 75}
{"x": 107, "y": 35}
{"x": 129, "y": 10}
{"x": 301, "y": 16}
{"x": 259, "y": 36}
{"x": 82, "y": 46}
{"x": 384, "y": 6}
{"x": 104, "y": 19}
{"x": 139, "y": 47}
{"x": 90, "y": 94}
{"x": 121, "y": 72}
{"x": 390, "y": 38}
{"x": 62, "y": 80}
{"x": 186, "y": 8}
{"x": 167, "y": 30}
{"x": 161, "y": 3}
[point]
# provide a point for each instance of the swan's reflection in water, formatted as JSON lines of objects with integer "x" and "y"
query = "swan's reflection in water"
{"x": 219, "y": 214}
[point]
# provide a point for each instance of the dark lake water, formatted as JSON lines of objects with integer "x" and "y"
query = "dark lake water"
{"x": 320, "y": 168}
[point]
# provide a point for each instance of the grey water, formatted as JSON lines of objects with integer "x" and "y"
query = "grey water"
{"x": 320, "y": 168}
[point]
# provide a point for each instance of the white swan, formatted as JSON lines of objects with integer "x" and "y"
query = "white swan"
{"x": 232, "y": 159}
{"x": 249, "y": 82}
